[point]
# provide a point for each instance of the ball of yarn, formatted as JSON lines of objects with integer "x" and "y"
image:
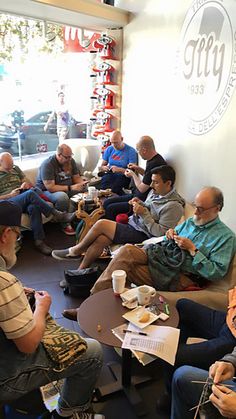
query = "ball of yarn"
{"x": 122, "y": 218}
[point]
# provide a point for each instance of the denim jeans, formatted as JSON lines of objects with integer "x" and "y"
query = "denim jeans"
{"x": 186, "y": 394}
{"x": 115, "y": 181}
{"x": 117, "y": 205}
{"x": 31, "y": 204}
{"x": 197, "y": 320}
{"x": 59, "y": 199}
{"x": 37, "y": 370}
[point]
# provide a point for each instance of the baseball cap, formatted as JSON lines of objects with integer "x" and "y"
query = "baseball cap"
{"x": 10, "y": 214}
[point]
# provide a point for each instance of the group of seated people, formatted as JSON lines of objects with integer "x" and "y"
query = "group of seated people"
{"x": 203, "y": 242}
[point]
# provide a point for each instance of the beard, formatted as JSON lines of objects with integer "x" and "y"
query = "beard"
{"x": 197, "y": 221}
{"x": 10, "y": 258}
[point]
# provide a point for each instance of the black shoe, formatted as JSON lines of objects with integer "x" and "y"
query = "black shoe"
{"x": 164, "y": 403}
{"x": 43, "y": 247}
{"x": 70, "y": 313}
{"x": 63, "y": 217}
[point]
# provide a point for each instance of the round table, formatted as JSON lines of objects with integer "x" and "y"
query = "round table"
{"x": 97, "y": 315}
{"x": 105, "y": 309}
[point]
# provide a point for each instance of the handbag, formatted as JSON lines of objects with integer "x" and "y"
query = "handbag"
{"x": 62, "y": 345}
{"x": 80, "y": 281}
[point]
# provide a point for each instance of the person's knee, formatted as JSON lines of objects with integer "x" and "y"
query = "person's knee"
{"x": 183, "y": 304}
{"x": 100, "y": 226}
{"x": 62, "y": 201}
{"x": 182, "y": 376}
{"x": 125, "y": 250}
{"x": 94, "y": 350}
{"x": 31, "y": 194}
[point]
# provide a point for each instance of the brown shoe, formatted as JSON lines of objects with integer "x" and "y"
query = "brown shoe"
{"x": 70, "y": 314}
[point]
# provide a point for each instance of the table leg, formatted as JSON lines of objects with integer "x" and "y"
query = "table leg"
{"x": 126, "y": 382}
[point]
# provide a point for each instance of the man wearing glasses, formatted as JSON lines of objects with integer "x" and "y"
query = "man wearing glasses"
{"x": 25, "y": 364}
{"x": 208, "y": 246}
{"x": 59, "y": 179}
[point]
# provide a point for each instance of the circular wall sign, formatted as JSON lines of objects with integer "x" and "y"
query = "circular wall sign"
{"x": 207, "y": 62}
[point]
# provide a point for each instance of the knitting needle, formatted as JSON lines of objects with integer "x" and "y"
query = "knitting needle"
{"x": 199, "y": 405}
{"x": 217, "y": 384}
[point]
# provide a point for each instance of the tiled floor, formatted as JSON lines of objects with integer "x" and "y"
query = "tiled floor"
{"x": 43, "y": 272}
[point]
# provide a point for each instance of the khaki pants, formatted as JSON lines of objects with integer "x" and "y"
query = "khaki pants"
{"x": 133, "y": 261}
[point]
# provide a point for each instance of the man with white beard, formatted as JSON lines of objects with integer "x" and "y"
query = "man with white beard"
{"x": 24, "y": 356}
{"x": 208, "y": 246}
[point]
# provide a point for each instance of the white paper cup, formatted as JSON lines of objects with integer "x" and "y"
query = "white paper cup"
{"x": 92, "y": 192}
{"x": 144, "y": 294}
{"x": 118, "y": 281}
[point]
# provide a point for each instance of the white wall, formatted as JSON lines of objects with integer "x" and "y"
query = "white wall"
{"x": 153, "y": 103}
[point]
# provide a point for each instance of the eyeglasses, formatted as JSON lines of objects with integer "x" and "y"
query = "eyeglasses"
{"x": 18, "y": 233}
{"x": 66, "y": 157}
{"x": 201, "y": 210}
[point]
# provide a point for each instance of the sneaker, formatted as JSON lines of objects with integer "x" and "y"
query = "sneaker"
{"x": 63, "y": 283}
{"x": 64, "y": 255}
{"x": 63, "y": 217}
{"x": 84, "y": 415}
{"x": 80, "y": 415}
{"x": 43, "y": 247}
{"x": 69, "y": 230}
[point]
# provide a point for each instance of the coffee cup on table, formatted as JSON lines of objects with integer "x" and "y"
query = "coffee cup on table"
{"x": 118, "y": 281}
{"x": 144, "y": 294}
{"x": 92, "y": 192}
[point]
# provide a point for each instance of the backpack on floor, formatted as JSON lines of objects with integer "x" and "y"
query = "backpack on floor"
{"x": 80, "y": 281}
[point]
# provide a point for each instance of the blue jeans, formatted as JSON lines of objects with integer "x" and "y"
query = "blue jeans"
{"x": 37, "y": 370}
{"x": 186, "y": 394}
{"x": 59, "y": 199}
{"x": 115, "y": 181}
{"x": 31, "y": 204}
{"x": 117, "y": 205}
{"x": 197, "y": 320}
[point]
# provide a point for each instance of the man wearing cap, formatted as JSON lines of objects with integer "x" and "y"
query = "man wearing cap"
{"x": 25, "y": 364}
{"x": 15, "y": 188}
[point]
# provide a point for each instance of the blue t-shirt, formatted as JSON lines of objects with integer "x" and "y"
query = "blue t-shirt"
{"x": 120, "y": 158}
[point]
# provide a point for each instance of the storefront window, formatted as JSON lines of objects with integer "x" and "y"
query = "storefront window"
{"x": 34, "y": 69}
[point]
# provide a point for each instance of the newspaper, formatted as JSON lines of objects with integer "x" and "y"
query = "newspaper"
{"x": 50, "y": 394}
{"x": 161, "y": 341}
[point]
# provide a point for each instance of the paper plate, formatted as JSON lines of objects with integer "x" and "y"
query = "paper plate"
{"x": 134, "y": 315}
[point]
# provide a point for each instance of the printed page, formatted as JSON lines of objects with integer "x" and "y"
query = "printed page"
{"x": 161, "y": 341}
{"x": 142, "y": 357}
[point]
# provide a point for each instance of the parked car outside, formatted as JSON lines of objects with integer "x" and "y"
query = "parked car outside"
{"x": 33, "y": 138}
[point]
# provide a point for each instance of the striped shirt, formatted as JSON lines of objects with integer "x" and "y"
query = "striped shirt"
{"x": 10, "y": 180}
{"x": 16, "y": 318}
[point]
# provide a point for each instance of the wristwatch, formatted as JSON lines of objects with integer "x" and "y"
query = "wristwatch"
{"x": 193, "y": 252}
{"x": 69, "y": 188}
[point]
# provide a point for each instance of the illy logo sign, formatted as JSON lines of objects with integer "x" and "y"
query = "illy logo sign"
{"x": 207, "y": 62}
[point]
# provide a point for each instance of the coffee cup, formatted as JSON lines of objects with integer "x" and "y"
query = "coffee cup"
{"x": 118, "y": 281}
{"x": 144, "y": 294}
{"x": 92, "y": 192}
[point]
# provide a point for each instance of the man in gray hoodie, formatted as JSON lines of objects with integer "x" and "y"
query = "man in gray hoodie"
{"x": 162, "y": 210}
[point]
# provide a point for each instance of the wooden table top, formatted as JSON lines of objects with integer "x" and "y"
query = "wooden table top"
{"x": 105, "y": 309}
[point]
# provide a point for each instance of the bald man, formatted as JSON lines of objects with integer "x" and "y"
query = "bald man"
{"x": 59, "y": 179}
{"x": 146, "y": 149}
{"x": 116, "y": 159}
{"x": 208, "y": 243}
